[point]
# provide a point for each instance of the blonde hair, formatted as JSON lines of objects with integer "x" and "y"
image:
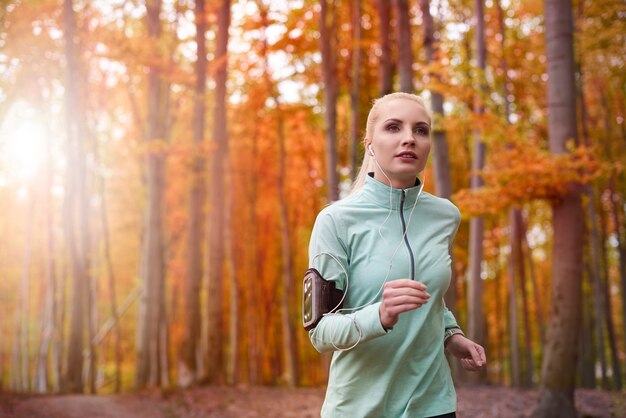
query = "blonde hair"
{"x": 368, "y": 162}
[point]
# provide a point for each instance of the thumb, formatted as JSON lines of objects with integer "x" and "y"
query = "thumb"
{"x": 478, "y": 355}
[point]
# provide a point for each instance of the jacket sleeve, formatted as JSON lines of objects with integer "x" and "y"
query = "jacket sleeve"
{"x": 449, "y": 320}
{"x": 329, "y": 254}
{"x": 448, "y": 317}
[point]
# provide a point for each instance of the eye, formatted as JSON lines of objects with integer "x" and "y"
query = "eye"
{"x": 392, "y": 127}
{"x": 421, "y": 130}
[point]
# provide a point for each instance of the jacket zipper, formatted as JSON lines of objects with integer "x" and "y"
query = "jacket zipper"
{"x": 406, "y": 239}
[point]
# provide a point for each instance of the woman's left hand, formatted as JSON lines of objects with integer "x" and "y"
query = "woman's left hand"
{"x": 472, "y": 355}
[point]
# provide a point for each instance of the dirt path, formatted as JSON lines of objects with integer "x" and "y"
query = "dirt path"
{"x": 266, "y": 402}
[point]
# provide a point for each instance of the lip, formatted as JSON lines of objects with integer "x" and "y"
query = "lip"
{"x": 407, "y": 154}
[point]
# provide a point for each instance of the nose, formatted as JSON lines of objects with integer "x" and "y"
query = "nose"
{"x": 409, "y": 138}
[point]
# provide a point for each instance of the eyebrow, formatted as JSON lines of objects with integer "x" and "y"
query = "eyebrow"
{"x": 401, "y": 121}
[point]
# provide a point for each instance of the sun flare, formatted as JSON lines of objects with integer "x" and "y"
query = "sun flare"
{"x": 22, "y": 145}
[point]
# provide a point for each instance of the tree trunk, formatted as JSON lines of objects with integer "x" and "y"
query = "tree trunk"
{"x": 152, "y": 307}
{"x": 405, "y": 50}
{"x": 586, "y": 362}
{"x": 385, "y": 69}
{"x": 77, "y": 230}
{"x": 475, "y": 285}
{"x": 596, "y": 282}
{"x": 24, "y": 346}
{"x": 355, "y": 86}
{"x": 513, "y": 312}
{"x": 539, "y": 310}
{"x": 234, "y": 295}
{"x": 443, "y": 183}
{"x": 328, "y": 32}
{"x": 618, "y": 221}
{"x": 528, "y": 340}
{"x": 289, "y": 338}
{"x": 289, "y": 349}
{"x": 188, "y": 373}
{"x": 608, "y": 317}
{"x": 557, "y": 374}
{"x": 49, "y": 312}
{"x": 215, "y": 349}
{"x": 111, "y": 281}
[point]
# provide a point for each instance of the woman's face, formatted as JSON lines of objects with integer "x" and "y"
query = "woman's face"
{"x": 400, "y": 142}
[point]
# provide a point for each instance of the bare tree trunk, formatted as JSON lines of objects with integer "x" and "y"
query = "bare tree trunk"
{"x": 443, "y": 183}
{"x": 355, "y": 86}
{"x": 618, "y": 221}
{"x": 24, "y": 346}
{"x": 516, "y": 238}
{"x": 476, "y": 317}
{"x": 499, "y": 333}
{"x": 621, "y": 248}
{"x": 59, "y": 346}
{"x": 557, "y": 374}
{"x": 104, "y": 220}
{"x": 608, "y": 317}
{"x": 596, "y": 282}
{"x": 215, "y": 354}
{"x": 289, "y": 339}
{"x": 188, "y": 372}
{"x": 48, "y": 329}
{"x": 586, "y": 362}
{"x": 77, "y": 228}
{"x": 152, "y": 306}
{"x": 328, "y": 30}
{"x": 539, "y": 310}
{"x": 385, "y": 72}
{"x": 404, "y": 39}
{"x": 234, "y": 296}
{"x": 513, "y": 312}
{"x": 528, "y": 375}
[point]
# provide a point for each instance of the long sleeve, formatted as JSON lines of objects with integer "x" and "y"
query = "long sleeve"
{"x": 343, "y": 331}
{"x": 448, "y": 317}
{"x": 449, "y": 320}
{"x": 329, "y": 255}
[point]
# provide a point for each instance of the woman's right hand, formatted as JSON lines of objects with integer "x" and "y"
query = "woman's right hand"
{"x": 401, "y": 296}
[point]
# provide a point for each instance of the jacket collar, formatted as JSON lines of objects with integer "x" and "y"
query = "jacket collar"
{"x": 380, "y": 193}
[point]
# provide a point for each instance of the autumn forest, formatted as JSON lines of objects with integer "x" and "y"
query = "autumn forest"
{"x": 162, "y": 163}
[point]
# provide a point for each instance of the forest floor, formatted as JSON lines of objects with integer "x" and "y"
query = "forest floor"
{"x": 272, "y": 402}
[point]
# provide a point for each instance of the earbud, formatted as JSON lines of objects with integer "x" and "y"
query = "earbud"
{"x": 371, "y": 151}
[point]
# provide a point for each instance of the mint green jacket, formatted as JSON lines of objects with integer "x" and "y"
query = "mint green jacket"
{"x": 402, "y": 372}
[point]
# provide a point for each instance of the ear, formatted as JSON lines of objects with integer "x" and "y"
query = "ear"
{"x": 368, "y": 143}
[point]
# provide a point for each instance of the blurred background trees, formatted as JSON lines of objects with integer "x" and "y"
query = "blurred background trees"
{"x": 162, "y": 163}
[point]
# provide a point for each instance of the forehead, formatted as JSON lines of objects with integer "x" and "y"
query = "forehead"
{"x": 406, "y": 110}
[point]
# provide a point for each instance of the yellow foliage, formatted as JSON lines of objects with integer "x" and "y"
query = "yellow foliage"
{"x": 520, "y": 174}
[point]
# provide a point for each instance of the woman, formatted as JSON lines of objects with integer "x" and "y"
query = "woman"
{"x": 393, "y": 243}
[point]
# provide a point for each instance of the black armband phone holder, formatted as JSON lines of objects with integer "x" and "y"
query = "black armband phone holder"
{"x": 319, "y": 297}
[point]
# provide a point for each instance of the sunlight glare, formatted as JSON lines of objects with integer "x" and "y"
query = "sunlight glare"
{"x": 22, "y": 145}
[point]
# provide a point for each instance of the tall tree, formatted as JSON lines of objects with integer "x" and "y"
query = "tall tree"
{"x": 188, "y": 372}
{"x": 516, "y": 234}
{"x": 355, "y": 86}
{"x": 48, "y": 375}
{"x": 558, "y": 373}
{"x": 405, "y": 50}
{"x": 385, "y": 66}
{"x": 152, "y": 334}
{"x": 76, "y": 219}
{"x": 289, "y": 349}
{"x": 215, "y": 354}
{"x": 443, "y": 182}
{"x": 328, "y": 31}
{"x": 476, "y": 319}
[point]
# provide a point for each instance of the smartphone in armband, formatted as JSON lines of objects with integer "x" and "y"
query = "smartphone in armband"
{"x": 319, "y": 297}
